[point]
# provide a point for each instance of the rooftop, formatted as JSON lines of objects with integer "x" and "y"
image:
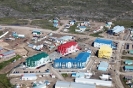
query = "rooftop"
{"x": 68, "y": 44}
{"x": 82, "y": 57}
{"x": 99, "y": 40}
{"x": 38, "y": 56}
{"x": 103, "y": 64}
{"x": 118, "y": 29}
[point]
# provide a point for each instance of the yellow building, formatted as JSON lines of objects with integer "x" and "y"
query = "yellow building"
{"x": 105, "y": 52}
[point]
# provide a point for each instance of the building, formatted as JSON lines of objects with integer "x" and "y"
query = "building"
{"x": 128, "y": 62}
{"x": 99, "y": 42}
{"x": 1, "y": 48}
{"x": 118, "y": 29}
{"x": 16, "y": 35}
{"x": 39, "y": 85}
{"x": 103, "y": 66}
{"x": 64, "y": 84}
{"x": 130, "y": 51}
{"x": 68, "y": 47}
{"x": 8, "y": 54}
{"x": 94, "y": 81}
{"x": 128, "y": 68}
{"x": 105, "y": 52}
{"x": 76, "y": 63}
{"x": 36, "y": 33}
{"x": 37, "y": 60}
{"x": 82, "y": 75}
{"x": 29, "y": 77}
{"x": 65, "y": 39}
{"x": 105, "y": 77}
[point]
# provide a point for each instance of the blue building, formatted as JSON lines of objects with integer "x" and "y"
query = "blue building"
{"x": 128, "y": 62}
{"x": 99, "y": 42}
{"x": 103, "y": 66}
{"x": 68, "y": 63}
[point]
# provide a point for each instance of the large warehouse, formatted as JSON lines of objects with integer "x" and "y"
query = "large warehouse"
{"x": 64, "y": 84}
{"x": 99, "y": 42}
{"x": 68, "y": 47}
{"x": 78, "y": 62}
{"x": 37, "y": 60}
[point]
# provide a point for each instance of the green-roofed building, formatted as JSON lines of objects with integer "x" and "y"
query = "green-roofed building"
{"x": 131, "y": 52}
{"x": 129, "y": 62}
{"x": 128, "y": 68}
{"x": 37, "y": 60}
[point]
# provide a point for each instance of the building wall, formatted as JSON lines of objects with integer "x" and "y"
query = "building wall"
{"x": 9, "y": 55}
{"x": 96, "y": 44}
{"x": 68, "y": 65}
{"x": 38, "y": 63}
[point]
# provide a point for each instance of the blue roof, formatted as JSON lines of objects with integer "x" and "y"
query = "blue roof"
{"x": 55, "y": 21}
{"x": 82, "y": 26}
{"x": 82, "y": 57}
{"x": 8, "y": 52}
{"x": 128, "y": 67}
{"x": 99, "y": 40}
{"x": 103, "y": 64}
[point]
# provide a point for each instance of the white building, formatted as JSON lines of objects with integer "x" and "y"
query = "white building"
{"x": 30, "y": 76}
{"x": 94, "y": 81}
{"x": 105, "y": 77}
{"x": 64, "y": 84}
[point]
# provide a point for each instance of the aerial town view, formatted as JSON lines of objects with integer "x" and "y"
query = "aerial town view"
{"x": 66, "y": 43}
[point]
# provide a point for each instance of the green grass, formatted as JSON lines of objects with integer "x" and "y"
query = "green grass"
{"x": 124, "y": 23}
{"x": 13, "y": 21}
{"x": 5, "y": 82}
{"x": 45, "y": 24}
{"x": 96, "y": 34}
{"x": 5, "y": 63}
{"x": 64, "y": 75}
{"x": 127, "y": 57}
{"x": 1, "y": 32}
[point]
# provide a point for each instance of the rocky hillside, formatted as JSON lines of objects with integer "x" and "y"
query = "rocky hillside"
{"x": 80, "y": 9}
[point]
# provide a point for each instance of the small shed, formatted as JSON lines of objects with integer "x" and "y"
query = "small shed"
{"x": 103, "y": 66}
{"x": 30, "y": 76}
{"x": 128, "y": 62}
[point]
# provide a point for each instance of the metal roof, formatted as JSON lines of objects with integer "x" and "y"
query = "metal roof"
{"x": 103, "y": 64}
{"x": 93, "y": 81}
{"x": 8, "y": 52}
{"x": 37, "y": 56}
{"x": 82, "y": 26}
{"x": 129, "y": 67}
{"x": 118, "y": 29}
{"x": 82, "y": 57}
{"x": 128, "y": 61}
{"x": 66, "y": 38}
{"x": 81, "y": 85}
{"x": 99, "y": 40}
{"x": 62, "y": 84}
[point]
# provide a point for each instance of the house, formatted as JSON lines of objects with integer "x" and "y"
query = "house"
{"x": 65, "y": 84}
{"x": 55, "y": 25}
{"x": 108, "y": 24}
{"x": 65, "y": 39}
{"x": 72, "y": 22}
{"x": 78, "y": 62}
{"x": 105, "y": 77}
{"x": 82, "y": 75}
{"x": 99, "y": 42}
{"x": 82, "y": 28}
{"x": 36, "y": 32}
{"x": 128, "y": 62}
{"x": 68, "y": 48}
{"x": 16, "y": 35}
{"x": 37, "y": 60}
{"x": 105, "y": 52}
{"x": 128, "y": 77}
{"x": 128, "y": 68}
{"x": 103, "y": 66}
{"x": 8, "y": 54}
{"x": 118, "y": 29}
{"x": 39, "y": 85}
{"x": 30, "y": 76}
{"x": 94, "y": 81}
{"x": 130, "y": 51}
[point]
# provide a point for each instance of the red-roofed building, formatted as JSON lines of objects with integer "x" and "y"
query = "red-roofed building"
{"x": 68, "y": 47}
